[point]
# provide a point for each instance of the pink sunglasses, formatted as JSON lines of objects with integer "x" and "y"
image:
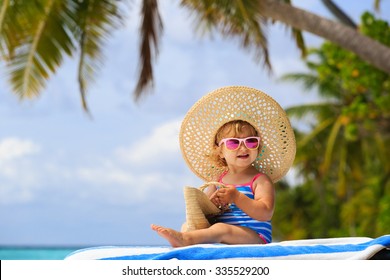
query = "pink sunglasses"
{"x": 232, "y": 144}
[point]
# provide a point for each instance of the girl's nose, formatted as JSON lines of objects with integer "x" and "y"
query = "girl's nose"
{"x": 242, "y": 146}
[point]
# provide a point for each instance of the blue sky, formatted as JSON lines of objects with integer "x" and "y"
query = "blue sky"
{"x": 66, "y": 179}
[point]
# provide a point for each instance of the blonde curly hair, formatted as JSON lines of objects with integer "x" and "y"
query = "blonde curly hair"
{"x": 233, "y": 129}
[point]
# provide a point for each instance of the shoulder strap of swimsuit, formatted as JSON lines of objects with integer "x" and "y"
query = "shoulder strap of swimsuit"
{"x": 221, "y": 177}
{"x": 254, "y": 179}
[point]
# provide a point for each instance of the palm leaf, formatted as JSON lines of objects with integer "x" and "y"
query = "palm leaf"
{"x": 317, "y": 130}
{"x": 382, "y": 151}
{"x": 308, "y": 81}
{"x": 44, "y": 40}
{"x": 327, "y": 88}
{"x": 298, "y": 37}
{"x": 300, "y": 41}
{"x": 3, "y": 10}
{"x": 151, "y": 30}
{"x": 355, "y": 156}
{"x": 330, "y": 144}
{"x": 3, "y": 30}
{"x": 342, "y": 181}
{"x": 318, "y": 109}
{"x": 377, "y": 4}
{"x": 96, "y": 19}
{"x": 240, "y": 19}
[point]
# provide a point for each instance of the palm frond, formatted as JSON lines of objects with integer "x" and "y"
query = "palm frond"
{"x": 240, "y": 19}
{"x": 316, "y": 131}
{"x": 309, "y": 81}
{"x": 300, "y": 41}
{"x": 96, "y": 20}
{"x": 377, "y": 4}
{"x": 317, "y": 109}
{"x": 342, "y": 180}
{"x": 151, "y": 30}
{"x": 3, "y": 11}
{"x": 382, "y": 150}
{"x": 330, "y": 144}
{"x": 327, "y": 88}
{"x": 43, "y": 42}
{"x": 355, "y": 153}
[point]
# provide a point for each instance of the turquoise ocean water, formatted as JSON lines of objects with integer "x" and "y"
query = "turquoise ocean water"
{"x": 34, "y": 253}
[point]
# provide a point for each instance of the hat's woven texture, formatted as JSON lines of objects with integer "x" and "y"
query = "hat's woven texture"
{"x": 199, "y": 207}
{"x": 198, "y": 129}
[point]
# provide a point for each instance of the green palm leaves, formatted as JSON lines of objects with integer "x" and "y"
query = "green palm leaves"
{"x": 241, "y": 19}
{"x": 344, "y": 154}
{"x": 36, "y": 36}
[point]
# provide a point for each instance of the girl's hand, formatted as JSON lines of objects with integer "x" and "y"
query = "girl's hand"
{"x": 215, "y": 199}
{"x": 227, "y": 195}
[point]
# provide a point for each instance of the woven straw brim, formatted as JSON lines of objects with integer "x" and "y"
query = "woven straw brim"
{"x": 198, "y": 129}
{"x": 199, "y": 207}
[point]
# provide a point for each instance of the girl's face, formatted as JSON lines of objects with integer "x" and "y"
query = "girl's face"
{"x": 241, "y": 157}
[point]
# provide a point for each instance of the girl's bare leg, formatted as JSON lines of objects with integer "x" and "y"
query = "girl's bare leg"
{"x": 217, "y": 233}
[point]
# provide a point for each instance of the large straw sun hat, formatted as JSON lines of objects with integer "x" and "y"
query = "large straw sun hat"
{"x": 198, "y": 129}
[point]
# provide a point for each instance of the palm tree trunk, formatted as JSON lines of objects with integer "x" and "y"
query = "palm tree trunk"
{"x": 366, "y": 48}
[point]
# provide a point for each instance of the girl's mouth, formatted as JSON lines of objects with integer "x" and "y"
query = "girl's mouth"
{"x": 243, "y": 156}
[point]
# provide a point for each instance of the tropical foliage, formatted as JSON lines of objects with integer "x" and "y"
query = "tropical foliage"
{"x": 36, "y": 35}
{"x": 343, "y": 156}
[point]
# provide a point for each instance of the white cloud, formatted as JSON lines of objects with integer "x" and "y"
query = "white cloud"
{"x": 128, "y": 175}
{"x": 134, "y": 172}
{"x": 13, "y": 148}
{"x": 162, "y": 143}
{"x": 105, "y": 175}
{"x": 150, "y": 165}
{"x": 118, "y": 184}
{"x": 17, "y": 171}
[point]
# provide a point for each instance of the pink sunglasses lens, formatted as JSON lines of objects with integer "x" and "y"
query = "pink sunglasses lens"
{"x": 251, "y": 143}
{"x": 232, "y": 144}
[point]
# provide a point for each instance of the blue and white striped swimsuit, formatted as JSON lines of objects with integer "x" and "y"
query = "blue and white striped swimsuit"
{"x": 238, "y": 217}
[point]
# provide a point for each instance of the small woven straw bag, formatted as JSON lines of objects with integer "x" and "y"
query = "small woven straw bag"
{"x": 200, "y": 211}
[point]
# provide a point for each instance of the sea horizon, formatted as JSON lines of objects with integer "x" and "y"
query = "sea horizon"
{"x": 45, "y": 252}
{"x": 32, "y": 252}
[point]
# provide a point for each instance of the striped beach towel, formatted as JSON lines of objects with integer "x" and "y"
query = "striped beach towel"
{"x": 310, "y": 249}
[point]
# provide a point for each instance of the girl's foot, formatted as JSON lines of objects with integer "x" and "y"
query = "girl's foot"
{"x": 175, "y": 238}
